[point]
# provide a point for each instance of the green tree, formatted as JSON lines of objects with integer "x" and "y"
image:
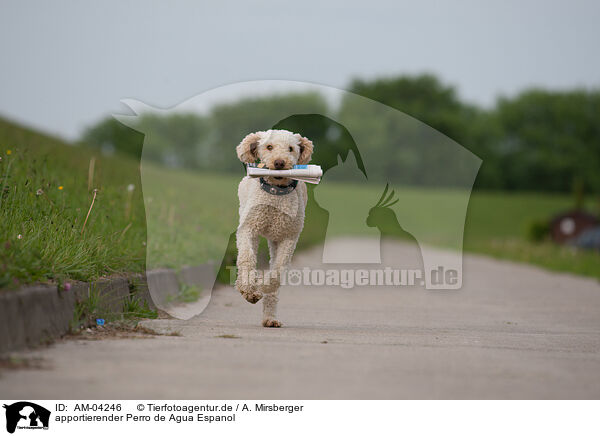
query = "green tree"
{"x": 425, "y": 98}
{"x": 111, "y": 134}
{"x": 175, "y": 139}
{"x": 550, "y": 140}
{"x": 401, "y": 149}
{"x": 231, "y": 122}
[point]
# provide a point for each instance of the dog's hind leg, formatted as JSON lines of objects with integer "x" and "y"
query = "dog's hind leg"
{"x": 270, "y": 291}
{"x": 272, "y": 252}
{"x": 247, "y": 245}
{"x": 281, "y": 255}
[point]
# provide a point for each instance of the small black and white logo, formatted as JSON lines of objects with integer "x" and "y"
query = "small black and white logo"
{"x": 26, "y": 415}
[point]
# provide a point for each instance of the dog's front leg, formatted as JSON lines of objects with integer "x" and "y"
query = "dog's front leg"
{"x": 247, "y": 246}
{"x": 281, "y": 255}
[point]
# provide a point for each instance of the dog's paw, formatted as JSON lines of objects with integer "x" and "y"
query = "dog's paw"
{"x": 271, "y": 323}
{"x": 248, "y": 291}
{"x": 252, "y": 296}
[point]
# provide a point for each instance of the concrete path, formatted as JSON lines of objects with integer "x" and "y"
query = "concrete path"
{"x": 513, "y": 331}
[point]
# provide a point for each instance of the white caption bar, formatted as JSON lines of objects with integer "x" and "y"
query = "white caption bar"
{"x": 183, "y": 417}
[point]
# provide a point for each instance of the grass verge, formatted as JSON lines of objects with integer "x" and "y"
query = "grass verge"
{"x": 46, "y": 190}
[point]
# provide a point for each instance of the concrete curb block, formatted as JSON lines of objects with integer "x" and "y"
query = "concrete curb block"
{"x": 37, "y": 314}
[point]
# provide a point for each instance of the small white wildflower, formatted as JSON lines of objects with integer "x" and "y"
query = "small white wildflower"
{"x": 19, "y": 236}
{"x": 131, "y": 187}
{"x": 39, "y": 192}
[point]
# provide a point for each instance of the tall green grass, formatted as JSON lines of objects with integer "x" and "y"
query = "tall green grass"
{"x": 44, "y": 200}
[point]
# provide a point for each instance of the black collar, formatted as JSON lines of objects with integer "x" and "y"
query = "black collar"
{"x": 277, "y": 190}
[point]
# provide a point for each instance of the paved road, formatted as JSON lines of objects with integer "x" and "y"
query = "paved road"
{"x": 513, "y": 331}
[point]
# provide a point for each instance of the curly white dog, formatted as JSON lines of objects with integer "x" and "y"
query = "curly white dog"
{"x": 272, "y": 207}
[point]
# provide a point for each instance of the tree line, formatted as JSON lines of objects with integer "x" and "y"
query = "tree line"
{"x": 538, "y": 140}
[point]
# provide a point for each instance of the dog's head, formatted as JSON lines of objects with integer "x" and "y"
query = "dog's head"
{"x": 277, "y": 149}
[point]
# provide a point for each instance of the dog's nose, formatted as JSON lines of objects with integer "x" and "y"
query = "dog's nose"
{"x": 279, "y": 164}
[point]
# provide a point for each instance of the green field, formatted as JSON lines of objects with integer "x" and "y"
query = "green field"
{"x": 47, "y": 192}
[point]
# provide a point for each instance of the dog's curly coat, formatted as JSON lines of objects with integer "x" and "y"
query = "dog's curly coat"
{"x": 278, "y": 218}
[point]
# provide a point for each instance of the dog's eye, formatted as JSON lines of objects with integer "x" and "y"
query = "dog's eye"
{"x": 291, "y": 149}
{"x": 269, "y": 147}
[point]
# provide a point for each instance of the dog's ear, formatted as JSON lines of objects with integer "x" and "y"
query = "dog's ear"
{"x": 306, "y": 150}
{"x": 247, "y": 150}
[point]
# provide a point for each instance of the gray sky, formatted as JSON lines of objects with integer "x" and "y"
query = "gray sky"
{"x": 64, "y": 65}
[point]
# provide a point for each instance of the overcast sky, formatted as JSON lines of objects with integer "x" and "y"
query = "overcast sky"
{"x": 64, "y": 65}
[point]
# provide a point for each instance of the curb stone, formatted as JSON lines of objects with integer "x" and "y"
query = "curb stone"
{"x": 38, "y": 314}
